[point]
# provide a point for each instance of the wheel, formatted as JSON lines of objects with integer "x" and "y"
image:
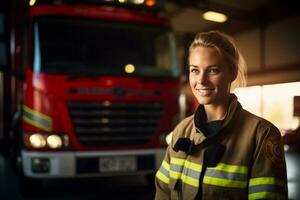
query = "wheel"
{"x": 29, "y": 186}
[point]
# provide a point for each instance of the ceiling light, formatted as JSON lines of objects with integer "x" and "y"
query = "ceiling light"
{"x": 138, "y": 1}
{"x": 150, "y": 3}
{"x": 32, "y": 2}
{"x": 129, "y": 68}
{"x": 214, "y": 16}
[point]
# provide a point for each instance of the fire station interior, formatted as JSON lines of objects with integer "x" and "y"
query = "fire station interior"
{"x": 267, "y": 33}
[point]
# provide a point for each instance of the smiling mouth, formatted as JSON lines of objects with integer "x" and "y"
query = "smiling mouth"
{"x": 205, "y": 91}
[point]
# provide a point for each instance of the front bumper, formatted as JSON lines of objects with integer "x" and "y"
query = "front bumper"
{"x": 74, "y": 164}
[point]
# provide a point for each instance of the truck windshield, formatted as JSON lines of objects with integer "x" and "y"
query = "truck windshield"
{"x": 68, "y": 46}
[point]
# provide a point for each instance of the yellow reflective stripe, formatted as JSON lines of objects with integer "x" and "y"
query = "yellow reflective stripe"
{"x": 180, "y": 175}
{"x": 177, "y": 161}
{"x": 186, "y": 163}
{"x": 234, "y": 176}
{"x": 175, "y": 175}
{"x": 230, "y": 168}
{"x": 224, "y": 182}
{"x": 162, "y": 177}
{"x": 265, "y": 195}
{"x": 189, "y": 180}
{"x": 193, "y": 166}
{"x": 186, "y": 179}
{"x": 37, "y": 119}
{"x": 166, "y": 165}
{"x": 265, "y": 180}
{"x": 34, "y": 123}
{"x": 27, "y": 109}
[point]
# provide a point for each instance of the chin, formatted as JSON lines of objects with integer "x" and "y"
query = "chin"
{"x": 204, "y": 100}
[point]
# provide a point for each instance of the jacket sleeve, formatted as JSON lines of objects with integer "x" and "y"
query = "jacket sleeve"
{"x": 162, "y": 178}
{"x": 268, "y": 179}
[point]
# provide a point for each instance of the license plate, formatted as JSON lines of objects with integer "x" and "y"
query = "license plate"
{"x": 118, "y": 164}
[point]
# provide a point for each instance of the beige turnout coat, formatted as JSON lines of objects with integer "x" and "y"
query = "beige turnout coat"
{"x": 252, "y": 166}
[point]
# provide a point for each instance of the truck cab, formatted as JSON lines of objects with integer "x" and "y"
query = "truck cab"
{"x": 94, "y": 88}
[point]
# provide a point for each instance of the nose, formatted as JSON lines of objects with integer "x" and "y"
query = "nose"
{"x": 202, "y": 79}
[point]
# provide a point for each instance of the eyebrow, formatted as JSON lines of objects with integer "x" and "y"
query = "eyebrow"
{"x": 195, "y": 66}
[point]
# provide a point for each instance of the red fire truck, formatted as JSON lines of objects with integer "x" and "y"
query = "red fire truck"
{"x": 90, "y": 88}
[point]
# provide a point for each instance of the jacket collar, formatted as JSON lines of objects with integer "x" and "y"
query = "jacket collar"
{"x": 197, "y": 135}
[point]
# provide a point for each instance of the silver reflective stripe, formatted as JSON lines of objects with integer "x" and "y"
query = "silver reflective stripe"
{"x": 175, "y": 168}
{"x": 31, "y": 116}
{"x": 191, "y": 173}
{"x": 266, "y": 188}
{"x": 164, "y": 171}
{"x": 37, "y": 119}
{"x": 226, "y": 175}
{"x": 186, "y": 171}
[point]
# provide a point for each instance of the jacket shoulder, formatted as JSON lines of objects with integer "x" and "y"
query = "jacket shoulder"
{"x": 262, "y": 125}
{"x": 187, "y": 121}
{"x": 184, "y": 128}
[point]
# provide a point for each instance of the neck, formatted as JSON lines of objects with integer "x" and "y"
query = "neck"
{"x": 216, "y": 111}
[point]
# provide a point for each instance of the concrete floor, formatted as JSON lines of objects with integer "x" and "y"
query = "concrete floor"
{"x": 131, "y": 187}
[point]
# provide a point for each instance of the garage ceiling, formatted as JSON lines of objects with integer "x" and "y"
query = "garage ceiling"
{"x": 186, "y": 15}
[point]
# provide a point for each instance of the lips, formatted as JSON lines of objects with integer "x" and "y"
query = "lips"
{"x": 204, "y": 91}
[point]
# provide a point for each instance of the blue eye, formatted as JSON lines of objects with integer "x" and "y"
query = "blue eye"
{"x": 194, "y": 70}
{"x": 213, "y": 71}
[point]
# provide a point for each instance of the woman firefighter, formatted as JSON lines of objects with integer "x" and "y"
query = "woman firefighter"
{"x": 222, "y": 151}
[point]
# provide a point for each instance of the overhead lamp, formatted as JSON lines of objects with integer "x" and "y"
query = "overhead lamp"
{"x": 150, "y": 3}
{"x": 32, "y": 2}
{"x": 214, "y": 16}
{"x": 129, "y": 68}
{"x": 138, "y": 1}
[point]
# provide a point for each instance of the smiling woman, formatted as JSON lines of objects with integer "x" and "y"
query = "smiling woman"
{"x": 216, "y": 66}
{"x": 222, "y": 151}
{"x": 210, "y": 78}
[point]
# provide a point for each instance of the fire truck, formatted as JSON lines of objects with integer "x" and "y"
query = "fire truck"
{"x": 90, "y": 87}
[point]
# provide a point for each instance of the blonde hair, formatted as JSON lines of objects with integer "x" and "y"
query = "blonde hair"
{"x": 226, "y": 46}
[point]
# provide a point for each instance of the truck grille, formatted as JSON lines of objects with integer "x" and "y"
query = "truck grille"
{"x": 107, "y": 124}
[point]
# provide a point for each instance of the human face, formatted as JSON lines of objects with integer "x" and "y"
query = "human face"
{"x": 209, "y": 76}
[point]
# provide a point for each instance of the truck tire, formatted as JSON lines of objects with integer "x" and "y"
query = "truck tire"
{"x": 29, "y": 187}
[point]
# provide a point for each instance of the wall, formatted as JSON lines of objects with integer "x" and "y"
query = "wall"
{"x": 272, "y": 52}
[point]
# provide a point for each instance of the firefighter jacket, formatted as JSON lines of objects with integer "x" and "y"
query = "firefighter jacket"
{"x": 252, "y": 165}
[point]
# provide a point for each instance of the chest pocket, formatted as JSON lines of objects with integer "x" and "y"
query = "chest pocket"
{"x": 175, "y": 186}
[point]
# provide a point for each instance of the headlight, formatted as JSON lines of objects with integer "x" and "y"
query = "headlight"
{"x": 54, "y": 141}
{"x": 46, "y": 140}
{"x": 37, "y": 141}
